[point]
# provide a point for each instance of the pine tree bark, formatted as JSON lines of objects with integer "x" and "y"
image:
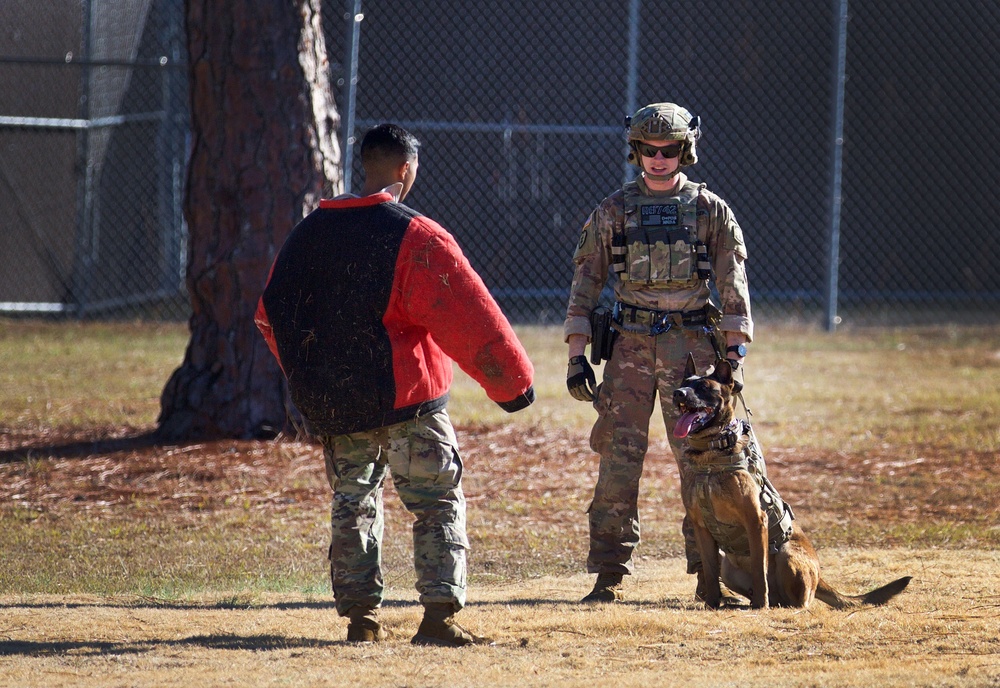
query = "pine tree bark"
{"x": 264, "y": 147}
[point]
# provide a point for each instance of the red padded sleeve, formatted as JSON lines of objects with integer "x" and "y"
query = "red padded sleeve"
{"x": 436, "y": 289}
{"x": 264, "y": 324}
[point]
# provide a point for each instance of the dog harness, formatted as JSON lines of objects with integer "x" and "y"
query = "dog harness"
{"x": 733, "y": 539}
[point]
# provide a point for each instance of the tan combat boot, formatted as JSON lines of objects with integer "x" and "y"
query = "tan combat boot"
{"x": 438, "y": 627}
{"x": 608, "y": 588}
{"x": 364, "y": 626}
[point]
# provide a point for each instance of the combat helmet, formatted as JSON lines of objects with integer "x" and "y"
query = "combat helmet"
{"x": 664, "y": 122}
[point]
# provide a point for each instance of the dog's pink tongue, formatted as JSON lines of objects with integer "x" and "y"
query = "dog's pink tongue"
{"x": 684, "y": 424}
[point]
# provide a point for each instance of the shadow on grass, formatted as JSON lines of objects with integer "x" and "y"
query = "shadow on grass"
{"x": 143, "y": 603}
{"x": 152, "y": 603}
{"x": 637, "y": 603}
{"x": 83, "y": 448}
{"x": 10, "y": 648}
{"x": 31, "y": 648}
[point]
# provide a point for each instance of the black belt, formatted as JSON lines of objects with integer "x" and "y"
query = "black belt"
{"x": 659, "y": 321}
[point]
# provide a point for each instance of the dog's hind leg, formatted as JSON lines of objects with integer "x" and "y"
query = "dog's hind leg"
{"x": 795, "y": 578}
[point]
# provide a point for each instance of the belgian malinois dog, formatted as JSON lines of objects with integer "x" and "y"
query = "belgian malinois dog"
{"x": 772, "y": 561}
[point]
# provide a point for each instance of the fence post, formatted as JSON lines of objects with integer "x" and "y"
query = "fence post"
{"x": 83, "y": 244}
{"x": 354, "y": 17}
{"x": 168, "y": 132}
{"x": 833, "y": 248}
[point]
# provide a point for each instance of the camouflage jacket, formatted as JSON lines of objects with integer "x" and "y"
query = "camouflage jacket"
{"x": 717, "y": 228}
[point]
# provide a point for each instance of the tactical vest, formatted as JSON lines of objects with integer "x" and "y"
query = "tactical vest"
{"x": 659, "y": 246}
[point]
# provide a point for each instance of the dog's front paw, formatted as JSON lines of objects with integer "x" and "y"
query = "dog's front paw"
{"x": 713, "y": 600}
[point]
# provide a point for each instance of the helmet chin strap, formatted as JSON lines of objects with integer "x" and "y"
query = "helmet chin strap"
{"x": 661, "y": 177}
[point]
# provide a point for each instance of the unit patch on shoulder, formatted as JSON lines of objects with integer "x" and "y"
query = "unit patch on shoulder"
{"x": 588, "y": 241}
{"x": 734, "y": 240}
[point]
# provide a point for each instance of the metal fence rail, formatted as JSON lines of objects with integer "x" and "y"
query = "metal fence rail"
{"x": 853, "y": 142}
{"x": 93, "y": 124}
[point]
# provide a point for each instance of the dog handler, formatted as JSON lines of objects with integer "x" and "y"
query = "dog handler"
{"x": 366, "y": 306}
{"x": 659, "y": 242}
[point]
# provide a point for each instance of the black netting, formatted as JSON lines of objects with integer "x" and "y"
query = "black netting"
{"x": 519, "y": 107}
{"x": 919, "y": 227}
{"x": 93, "y": 129}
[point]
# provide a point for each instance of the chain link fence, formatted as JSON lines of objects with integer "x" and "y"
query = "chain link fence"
{"x": 93, "y": 122}
{"x": 852, "y": 145}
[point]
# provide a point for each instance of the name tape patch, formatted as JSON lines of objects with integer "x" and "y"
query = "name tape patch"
{"x": 665, "y": 215}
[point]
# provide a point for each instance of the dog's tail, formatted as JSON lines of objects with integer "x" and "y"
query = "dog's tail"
{"x": 878, "y": 596}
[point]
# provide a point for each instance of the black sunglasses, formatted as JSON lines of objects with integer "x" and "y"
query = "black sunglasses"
{"x": 648, "y": 151}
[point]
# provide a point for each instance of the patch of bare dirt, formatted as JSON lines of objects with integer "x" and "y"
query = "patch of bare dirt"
{"x": 126, "y": 466}
{"x": 115, "y": 467}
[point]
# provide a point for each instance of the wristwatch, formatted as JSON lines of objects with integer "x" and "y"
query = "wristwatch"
{"x": 739, "y": 349}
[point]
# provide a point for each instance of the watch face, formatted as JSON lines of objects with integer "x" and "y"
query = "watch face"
{"x": 739, "y": 349}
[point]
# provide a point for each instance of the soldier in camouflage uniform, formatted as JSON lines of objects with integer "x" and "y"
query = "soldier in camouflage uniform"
{"x": 422, "y": 456}
{"x": 659, "y": 242}
{"x": 367, "y": 305}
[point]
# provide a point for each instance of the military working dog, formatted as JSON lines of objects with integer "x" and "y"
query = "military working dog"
{"x": 733, "y": 507}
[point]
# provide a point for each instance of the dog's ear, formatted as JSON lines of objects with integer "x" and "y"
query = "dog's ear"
{"x": 690, "y": 369}
{"x": 723, "y": 372}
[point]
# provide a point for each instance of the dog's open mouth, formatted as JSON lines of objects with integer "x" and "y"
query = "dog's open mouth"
{"x": 692, "y": 419}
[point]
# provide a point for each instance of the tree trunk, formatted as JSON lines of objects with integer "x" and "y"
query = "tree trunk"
{"x": 264, "y": 146}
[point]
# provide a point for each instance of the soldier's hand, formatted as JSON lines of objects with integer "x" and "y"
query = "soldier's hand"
{"x": 580, "y": 379}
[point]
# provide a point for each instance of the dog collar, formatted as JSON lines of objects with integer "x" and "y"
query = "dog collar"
{"x": 727, "y": 439}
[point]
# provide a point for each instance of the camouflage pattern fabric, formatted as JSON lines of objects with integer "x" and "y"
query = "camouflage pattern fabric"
{"x": 659, "y": 122}
{"x": 659, "y": 251}
{"x": 717, "y": 229}
{"x": 422, "y": 456}
{"x": 663, "y": 122}
{"x": 641, "y": 367}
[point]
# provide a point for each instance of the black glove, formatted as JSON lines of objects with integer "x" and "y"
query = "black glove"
{"x": 580, "y": 379}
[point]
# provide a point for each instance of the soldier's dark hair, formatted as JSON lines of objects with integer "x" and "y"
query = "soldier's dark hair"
{"x": 388, "y": 142}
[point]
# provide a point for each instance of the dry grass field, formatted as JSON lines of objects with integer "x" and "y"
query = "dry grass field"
{"x": 126, "y": 563}
{"x": 943, "y": 632}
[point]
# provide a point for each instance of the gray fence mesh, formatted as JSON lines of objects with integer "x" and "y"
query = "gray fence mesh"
{"x": 519, "y": 108}
{"x": 93, "y": 122}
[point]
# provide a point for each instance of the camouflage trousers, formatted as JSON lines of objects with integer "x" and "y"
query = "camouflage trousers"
{"x": 641, "y": 366}
{"x": 422, "y": 456}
